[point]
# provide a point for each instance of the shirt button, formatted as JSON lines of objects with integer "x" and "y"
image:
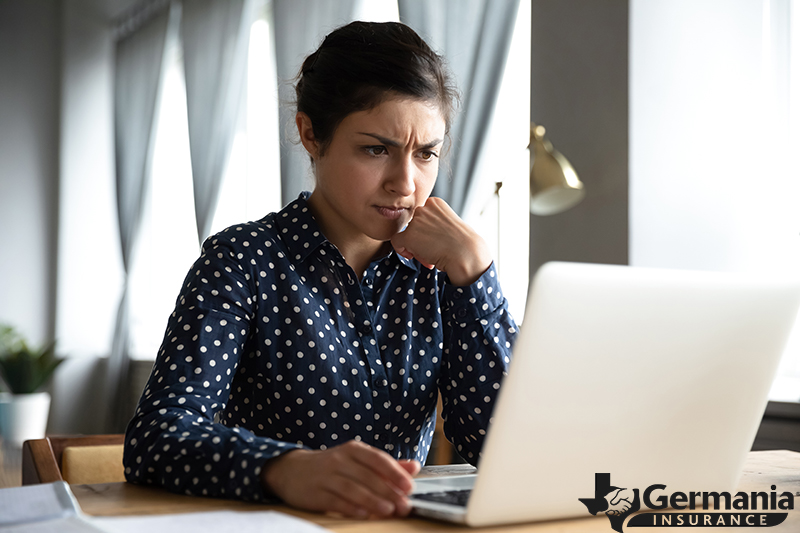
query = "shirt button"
{"x": 461, "y": 313}
{"x": 365, "y": 329}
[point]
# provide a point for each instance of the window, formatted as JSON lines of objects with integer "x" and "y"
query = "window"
{"x": 714, "y": 119}
{"x": 502, "y": 219}
{"x": 168, "y": 236}
{"x": 782, "y": 58}
{"x": 250, "y": 188}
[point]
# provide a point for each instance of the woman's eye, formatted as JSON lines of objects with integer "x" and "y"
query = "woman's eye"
{"x": 375, "y": 150}
{"x": 428, "y": 155}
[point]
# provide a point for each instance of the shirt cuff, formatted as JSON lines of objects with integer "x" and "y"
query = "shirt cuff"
{"x": 476, "y": 301}
{"x": 252, "y": 457}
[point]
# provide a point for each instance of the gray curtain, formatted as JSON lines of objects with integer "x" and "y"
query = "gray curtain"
{"x": 137, "y": 81}
{"x": 300, "y": 26}
{"x": 215, "y": 36}
{"x": 474, "y": 36}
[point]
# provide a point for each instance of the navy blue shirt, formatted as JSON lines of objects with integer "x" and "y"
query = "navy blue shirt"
{"x": 276, "y": 344}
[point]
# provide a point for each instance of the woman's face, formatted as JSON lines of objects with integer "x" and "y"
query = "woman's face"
{"x": 379, "y": 166}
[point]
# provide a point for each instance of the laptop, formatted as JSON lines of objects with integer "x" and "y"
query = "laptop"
{"x": 627, "y": 376}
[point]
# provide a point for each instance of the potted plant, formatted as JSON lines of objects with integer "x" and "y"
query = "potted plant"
{"x": 23, "y": 372}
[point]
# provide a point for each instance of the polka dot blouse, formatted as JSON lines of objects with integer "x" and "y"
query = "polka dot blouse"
{"x": 275, "y": 344}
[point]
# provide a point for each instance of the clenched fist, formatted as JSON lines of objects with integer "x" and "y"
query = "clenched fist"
{"x": 437, "y": 237}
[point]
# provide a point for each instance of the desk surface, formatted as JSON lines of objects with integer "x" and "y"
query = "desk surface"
{"x": 781, "y": 468}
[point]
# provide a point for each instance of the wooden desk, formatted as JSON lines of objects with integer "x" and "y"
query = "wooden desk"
{"x": 781, "y": 468}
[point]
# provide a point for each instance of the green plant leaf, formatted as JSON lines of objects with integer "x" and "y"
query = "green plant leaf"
{"x": 22, "y": 369}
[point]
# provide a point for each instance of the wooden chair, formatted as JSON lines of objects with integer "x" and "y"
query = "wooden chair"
{"x": 74, "y": 459}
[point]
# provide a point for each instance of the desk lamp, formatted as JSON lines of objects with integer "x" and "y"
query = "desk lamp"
{"x": 555, "y": 186}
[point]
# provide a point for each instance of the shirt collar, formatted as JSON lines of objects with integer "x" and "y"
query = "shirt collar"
{"x": 300, "y": 232}
{"x": 298, "y": 229}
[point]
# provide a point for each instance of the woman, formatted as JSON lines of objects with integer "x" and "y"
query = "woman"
{"x": 306, "y": 350}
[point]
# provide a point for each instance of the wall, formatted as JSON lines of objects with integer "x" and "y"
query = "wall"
{"x": 56, "y": 141}
{"x": 579, "y": 92}
{"x": 29, "y": 117}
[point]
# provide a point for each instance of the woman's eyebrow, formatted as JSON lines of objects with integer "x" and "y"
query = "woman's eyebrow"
{"x": 395, "y": 144}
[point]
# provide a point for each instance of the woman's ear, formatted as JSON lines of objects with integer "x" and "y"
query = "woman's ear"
{"x": 306, "y": 132}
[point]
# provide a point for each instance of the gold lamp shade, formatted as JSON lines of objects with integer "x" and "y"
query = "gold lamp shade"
{"x": 555, "y": 186}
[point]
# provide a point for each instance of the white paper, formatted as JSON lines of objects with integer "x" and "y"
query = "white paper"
{"x": 32, "y": 503}
{"x": 69, "y": 524}
{"x": 212, "y": 522}
{"x": 42, "y": 508}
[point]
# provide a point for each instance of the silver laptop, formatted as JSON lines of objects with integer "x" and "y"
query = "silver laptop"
{"x": 626, "y": 377}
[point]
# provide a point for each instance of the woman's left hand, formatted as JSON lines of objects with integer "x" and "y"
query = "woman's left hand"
{"x": 437, "y": 237}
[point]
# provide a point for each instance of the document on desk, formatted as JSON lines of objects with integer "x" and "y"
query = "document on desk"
{"x": 212, "y": 522}
{"x": 44, "y": 508}
{"x": 52, "y": 508}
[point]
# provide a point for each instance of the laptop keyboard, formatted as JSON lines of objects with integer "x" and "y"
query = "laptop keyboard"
{"x": 453, "y": 497}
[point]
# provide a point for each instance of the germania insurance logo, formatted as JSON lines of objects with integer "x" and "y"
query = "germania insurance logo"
{"x": 718, "y": 509}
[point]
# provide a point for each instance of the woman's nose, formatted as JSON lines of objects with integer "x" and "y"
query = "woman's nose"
{"x": 401, "y": 177}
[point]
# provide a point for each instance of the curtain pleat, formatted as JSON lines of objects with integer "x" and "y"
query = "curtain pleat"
{"x": 139, "y": 59}
{"x": 215, "y": 38}
{"x": 474, "y": 36}
{"x": 300, "y": 26}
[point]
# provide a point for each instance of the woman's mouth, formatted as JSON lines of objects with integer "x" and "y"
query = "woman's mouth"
{"x": 392, "y": 213}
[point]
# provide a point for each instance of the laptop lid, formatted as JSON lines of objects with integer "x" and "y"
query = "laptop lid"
{"x": 652, "y": 376}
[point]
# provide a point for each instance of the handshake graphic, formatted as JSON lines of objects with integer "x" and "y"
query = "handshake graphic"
{"x": 617, "y": 503}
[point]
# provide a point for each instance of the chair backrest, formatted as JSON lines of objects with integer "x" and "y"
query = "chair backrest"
{"x": 74, "y": 459}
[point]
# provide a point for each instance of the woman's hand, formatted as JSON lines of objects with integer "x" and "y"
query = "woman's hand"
{"x": 353, "y": 479}
{"x": 436, "y": 236}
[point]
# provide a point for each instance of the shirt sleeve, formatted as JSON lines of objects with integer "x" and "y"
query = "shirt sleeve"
{"x": 478, "y": 335}
{"x": 175, "y": 438}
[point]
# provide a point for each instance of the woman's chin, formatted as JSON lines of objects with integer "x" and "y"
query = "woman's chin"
{"x": 385, "y": 231}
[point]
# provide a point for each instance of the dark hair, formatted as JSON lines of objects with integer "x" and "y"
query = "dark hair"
{"x": 360, "y": 64}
